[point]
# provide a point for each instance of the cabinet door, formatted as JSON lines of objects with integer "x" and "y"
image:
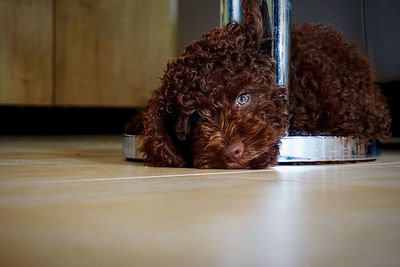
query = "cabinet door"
{"x": 111, "y": 53}
{"x": 26, "y": 57}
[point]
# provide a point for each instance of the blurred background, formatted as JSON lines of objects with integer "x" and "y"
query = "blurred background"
{"x": 87, "y": 66}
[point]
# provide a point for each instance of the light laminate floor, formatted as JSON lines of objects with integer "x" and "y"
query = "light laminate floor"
{"x": 75, "y": 201}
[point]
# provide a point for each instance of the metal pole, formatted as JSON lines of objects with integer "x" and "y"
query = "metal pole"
{"x": 281, "y": 21}
{"x": 281, "y": 47}
{"x": 230, "y": 11}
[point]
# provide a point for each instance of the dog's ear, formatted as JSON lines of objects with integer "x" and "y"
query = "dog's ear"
{"x": 157, "y": 136}
{"x": 257, "y": 24}
{"x": 183, "y": 126}
{"x": 186, "y": 115}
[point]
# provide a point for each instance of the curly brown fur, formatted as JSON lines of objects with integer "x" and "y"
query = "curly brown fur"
{"x": 218, "y": 106}
{"x": 332, "y": 87}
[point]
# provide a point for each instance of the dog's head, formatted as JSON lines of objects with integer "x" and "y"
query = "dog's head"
{"x": 218, "y": 106}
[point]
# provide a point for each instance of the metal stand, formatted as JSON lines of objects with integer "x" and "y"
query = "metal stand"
{"x": 300, "y": 149}
{"x": 297, "y": 149}
{"x": 294, "y": 149}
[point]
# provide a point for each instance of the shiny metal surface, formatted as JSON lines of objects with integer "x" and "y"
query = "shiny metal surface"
{"x": 130, "y": 148}
{"x": 281, "y": 45}
{"x": 281, "y": 21}
{"x": 298, "y": 149}
{"x": 231, "y": 10}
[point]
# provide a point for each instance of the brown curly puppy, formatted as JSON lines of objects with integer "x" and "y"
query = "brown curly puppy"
{"x": 218, "y": 106}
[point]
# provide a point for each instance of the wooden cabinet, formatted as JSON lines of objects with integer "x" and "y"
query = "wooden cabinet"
{"x": 111, "y": 52}
{"x": 26, "y": 58}
{"x": 84, "y": 52}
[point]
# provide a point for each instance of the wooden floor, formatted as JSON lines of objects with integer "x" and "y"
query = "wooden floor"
{"x": 75, "y": 201}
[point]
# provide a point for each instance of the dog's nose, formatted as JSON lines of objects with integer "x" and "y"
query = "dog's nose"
{"x": 233, "y": 151}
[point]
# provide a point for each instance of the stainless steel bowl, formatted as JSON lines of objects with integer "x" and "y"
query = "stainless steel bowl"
{"x": 326, "y": 148}
{"x": 298, "y": 149}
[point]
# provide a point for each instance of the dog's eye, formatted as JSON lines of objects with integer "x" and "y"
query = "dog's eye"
{"x": 242, "y": 99}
